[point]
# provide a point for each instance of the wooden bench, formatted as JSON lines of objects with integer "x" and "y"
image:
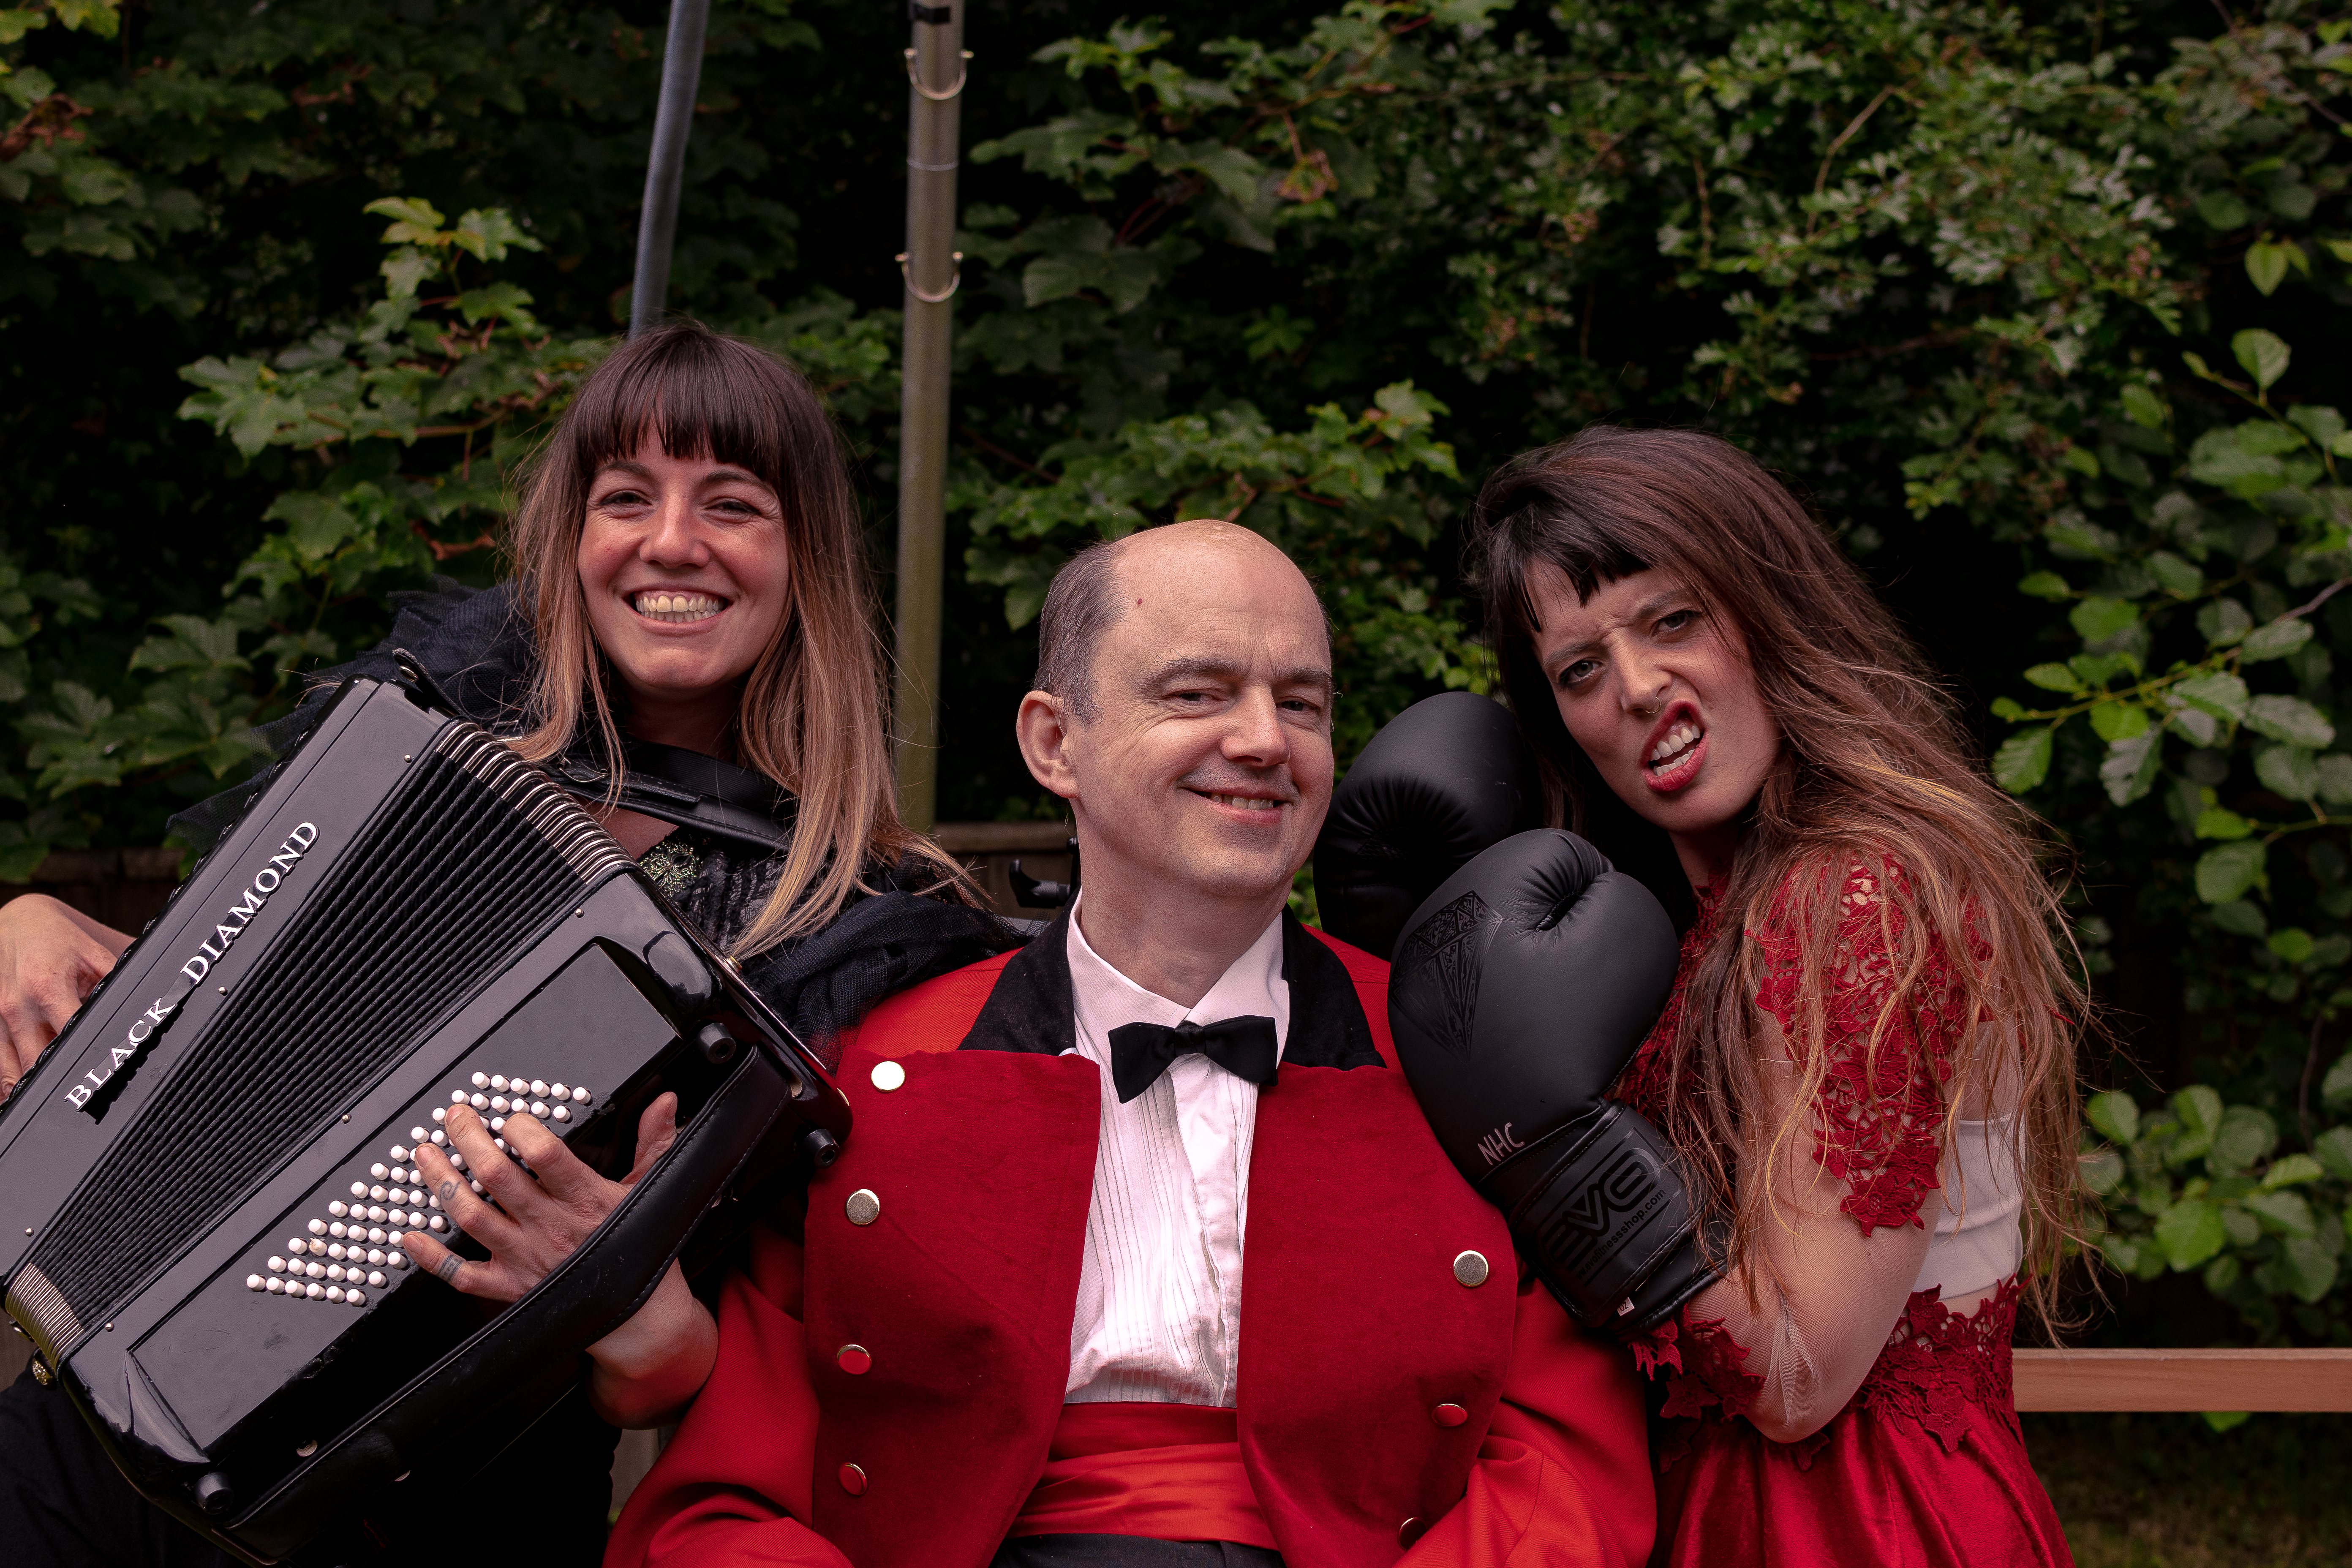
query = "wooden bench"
{"x": 2184, "y": 1380}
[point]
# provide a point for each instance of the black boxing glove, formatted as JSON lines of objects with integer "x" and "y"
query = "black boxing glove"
{"x": 1445, "y": 778}
{"x": 1521, "y": 988}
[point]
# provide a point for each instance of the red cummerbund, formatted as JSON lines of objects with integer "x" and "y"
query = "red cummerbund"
{"x": 1170, "y": 1471}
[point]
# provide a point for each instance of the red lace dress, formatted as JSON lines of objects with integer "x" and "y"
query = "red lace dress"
{"x": 1925, "y": 1465}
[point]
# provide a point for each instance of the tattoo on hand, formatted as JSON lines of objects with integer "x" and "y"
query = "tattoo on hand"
{"x": 449, "y": 1192}
{"x": 447, "y": 1267}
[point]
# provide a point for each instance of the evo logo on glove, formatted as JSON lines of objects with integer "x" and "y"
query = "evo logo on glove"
{"x": 1591, "y": 1220}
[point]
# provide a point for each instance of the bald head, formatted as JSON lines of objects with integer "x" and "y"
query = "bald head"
{"x": 1099, "y": 585}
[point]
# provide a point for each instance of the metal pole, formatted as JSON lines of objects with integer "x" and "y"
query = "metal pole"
{"x": 666, "y": 168}
{"x": 936, "y": 67}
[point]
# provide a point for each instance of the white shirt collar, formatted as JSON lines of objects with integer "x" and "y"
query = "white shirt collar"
{"x": 1252, "y": 986}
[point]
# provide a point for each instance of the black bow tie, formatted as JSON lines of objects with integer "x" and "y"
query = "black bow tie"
{"x": 1140, "y": 1053}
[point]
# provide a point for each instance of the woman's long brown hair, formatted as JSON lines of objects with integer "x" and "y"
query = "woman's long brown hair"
{"x": 1874, "y": 771}
{"x": 811, "y": 711}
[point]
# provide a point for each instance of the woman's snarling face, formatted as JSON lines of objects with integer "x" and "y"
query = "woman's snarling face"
{"x": 1660, "y": 695}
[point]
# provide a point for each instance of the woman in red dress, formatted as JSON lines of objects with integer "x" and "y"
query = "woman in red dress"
{"x": 1867, "y": 1058}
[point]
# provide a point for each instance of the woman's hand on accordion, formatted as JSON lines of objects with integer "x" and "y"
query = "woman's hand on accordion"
{"x": 645, "y": 1371}
{"x": 51, "y": 957}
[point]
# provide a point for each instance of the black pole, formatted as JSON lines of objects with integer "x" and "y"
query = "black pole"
{"x": 666, "y": 168}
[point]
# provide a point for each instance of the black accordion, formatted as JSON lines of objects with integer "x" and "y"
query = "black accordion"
{"x": 204, "y": 1181}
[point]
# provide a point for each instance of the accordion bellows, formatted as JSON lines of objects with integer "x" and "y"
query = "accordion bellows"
{"x": 205, "y": 1181}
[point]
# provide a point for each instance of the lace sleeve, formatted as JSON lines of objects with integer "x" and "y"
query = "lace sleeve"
{"x": 1878, "y": 1114}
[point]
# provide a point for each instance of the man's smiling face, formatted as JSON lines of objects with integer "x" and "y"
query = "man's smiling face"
{"x": 1206, "y": 767}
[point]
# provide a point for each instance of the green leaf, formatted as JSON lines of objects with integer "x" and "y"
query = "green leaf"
{"x": 2276, "y": 639}
{"x": 2292, "y": 720}
{"x": 2118, "y": 720}
{"x": 2177, "y": 576}
{"x": 2116, "y": 1116}
{"x": 2130, "y": 767}
{"x": 2324, "y": 426}
{"x": 2219, "y": 822}
{"x": 2227, "y": 1420}
{"x": 2291, "y": 1170}
{"x": 2008, "y": 709}
{"x": 2102, "y": 1170}
{"x": 2239, "y": 918}
{"x": 2228, "y": 872}
{"x": 2244, "y": 1136}
{"x": 2336, "y": 1088}
{"x": 2223, "y": 210}
{"x": 2046, "y": 585}
{"x": 2333, "y": 1149}
{"x": 2022, "y": 762}
{"x": 2266, "y": 264}
{"x": 2223, "y": 622}
{"x": 2190, "y": 1232}
{"x": 2307, "y": 1269}
{"x": 2222, "y": 696}
{"x": 414, "y": 220}
{"x": 2263, "y": 355}
{"x": 2292, "y": 771}
{"x": 2096, "y": 619}
{"x": 2142, "y": 407}
{"x": 2082, "y": 461}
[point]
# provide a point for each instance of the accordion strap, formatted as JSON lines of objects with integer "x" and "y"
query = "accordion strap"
{"x": 688, "y": 788}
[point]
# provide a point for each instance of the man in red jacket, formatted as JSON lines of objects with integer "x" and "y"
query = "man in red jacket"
{"x": 1011, "y": 1330}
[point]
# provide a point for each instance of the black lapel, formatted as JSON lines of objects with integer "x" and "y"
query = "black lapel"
{"x": 1031, "y": 1010}
{"x": 1327, "y": 1017}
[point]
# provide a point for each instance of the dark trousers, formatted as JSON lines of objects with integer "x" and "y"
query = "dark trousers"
{"x": 64, "y": 1505}
{"x": 1128, "y": 1552}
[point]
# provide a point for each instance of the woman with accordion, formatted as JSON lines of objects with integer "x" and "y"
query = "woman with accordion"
{"x": 689, "y": 645}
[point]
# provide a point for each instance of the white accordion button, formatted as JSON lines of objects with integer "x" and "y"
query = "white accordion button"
{"x": 375, "y": 1234}
{"x": 253, "y": 1282}
{"x": 376, "y": 1195}
{"x": 498, "y": 1102}
{"x": 437, "y": 1223}
{"x": 456, "y": 1161}
{"x": 440, "y": 1113}
{"x": 378, "y": 1172}
{"x": 375, "y": 1254}
{"x": 338, "y": 1229}
{"x": 440, "y": 1139}
{"x": 563, "y": 1113}
{"x": 481, "y": 1081}
{"x": 355, "y": 1298}
{"x": 334, "y": 1272}
{"x": 396, "y": 1260}
{"x": 276, "y": 1266}
{"x": 375, "y": 1214}
{"x": 475, "y": 1185}
{"x": 539, "y": 1108}
{"x": 399, "y": 1153}
{"x": 338, "y": 1208}
{"x": 498, "y": 1080}
{"x": 274, "y": 1286}
{"x": 480, "y": 1102}
{"x": 315, "y": 1271}
{"x": 376, "y": 1278}
{"x": 400, "y": 1173}
{"x": 359, "y": 1189}
{"x": 457, "y": 1097}
{"x": 314, "y": 1291}
{"x": 416, "y": 1135}
{"x": 501, "y": 1144}
{"x": 334, "y": 1250}
{"x": 318, "y": 1227}
{"x": 557, "y": 1092}
{"x": 538, "y": 1086}
{"x": 297, "y": 1246}
{"x": 334, "y": 1292}
{"x": 498, "y": 1123}
{"x": 580, "y": 1097}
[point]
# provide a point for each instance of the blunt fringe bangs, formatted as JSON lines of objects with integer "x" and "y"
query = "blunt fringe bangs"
{"x": 812, "y": 714}
{"x": 1875, "y": 773}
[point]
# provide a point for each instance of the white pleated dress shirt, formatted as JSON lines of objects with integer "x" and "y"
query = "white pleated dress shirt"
{"x": 1159, "y": 1292}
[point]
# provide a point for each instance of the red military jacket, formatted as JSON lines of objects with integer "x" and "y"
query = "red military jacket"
{"x": 962, "y": 1288}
